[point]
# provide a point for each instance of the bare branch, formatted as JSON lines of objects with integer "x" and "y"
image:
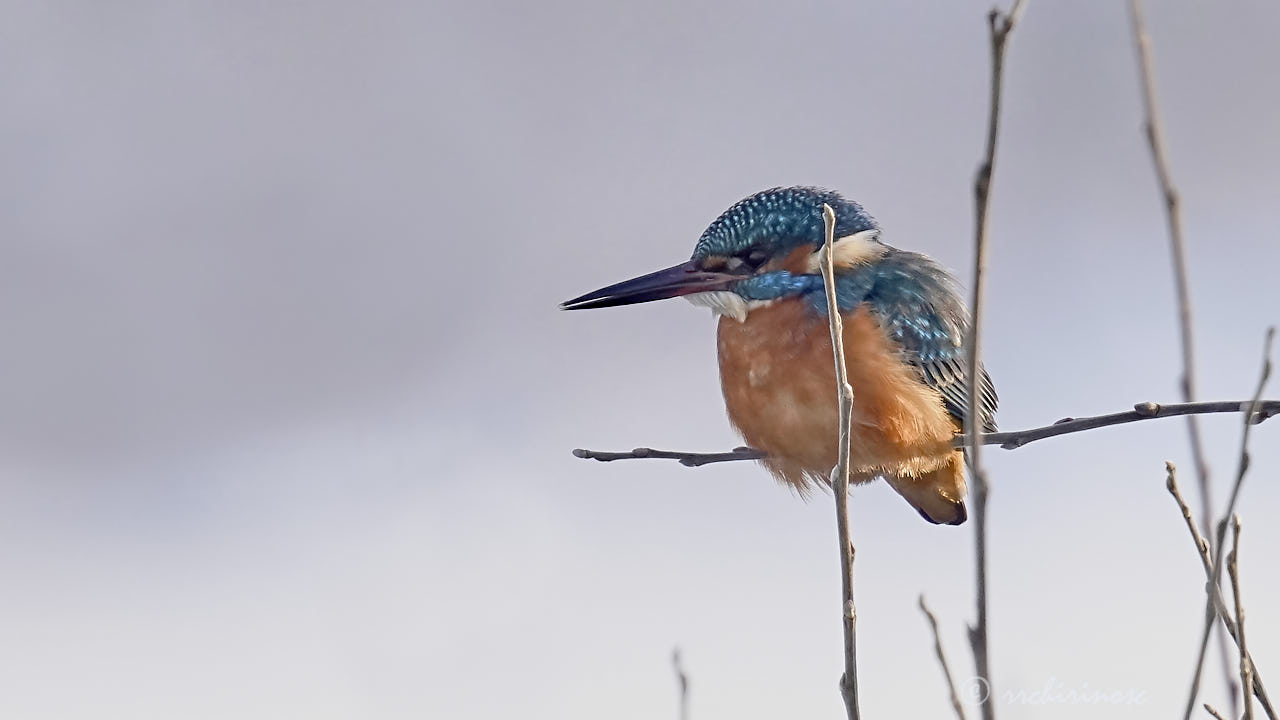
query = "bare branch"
{"x": 1008, "y": 440}
{"x": 1177, "y": 245}
{"x": 1258, "y": 690}
{"x": 942, "y": 659}
{"x": 1178, "y": 250}
{"x": 1142, "y": 411}
{"x": 1215, "y": 581}
{"x": 1001, "y": 25}
{"x": 686, "y": 458}
{"x": 1243, "y": 466}
{"x": 1246, "y": 669}
{"x": 840, "y": 474}
{"x": 1202, "y": 545}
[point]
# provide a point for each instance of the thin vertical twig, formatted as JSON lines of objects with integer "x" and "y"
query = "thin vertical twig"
{"x": 840, "y": 473}
{"x": 1001, "y": 25}
{"x": 942, "y": 659}
{"x": 1246, "y": 669}
{"x": 682, "y": 683}
{"x": 1258, "y": 690}
{"x": 1249, "y": 422}
{"x": 1202, "y": 545}
{"x": 1215, "y": 581}
{"x": 1154, "y": 131}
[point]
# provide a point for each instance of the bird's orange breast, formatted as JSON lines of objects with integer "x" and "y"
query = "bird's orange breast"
{"x": 778, "y": 377}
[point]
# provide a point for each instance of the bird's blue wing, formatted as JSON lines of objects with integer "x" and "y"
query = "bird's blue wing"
{"x": 947, "y": 377}
{"x": 917, "y": 303}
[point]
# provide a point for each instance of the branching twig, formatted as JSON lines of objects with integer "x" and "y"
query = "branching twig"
{"x": 1001, "y": 25}
{"x": 1246, "y": 669}
{"x": 1215, "y": 580}
{"x": 1206, "y": 562}
{"x": 840, "y": 473}
{"x": 942, "y": 659}
{"x": 1007, "y": 440}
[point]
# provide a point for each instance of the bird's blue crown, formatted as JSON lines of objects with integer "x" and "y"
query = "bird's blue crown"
{"x": 779, "y": 219}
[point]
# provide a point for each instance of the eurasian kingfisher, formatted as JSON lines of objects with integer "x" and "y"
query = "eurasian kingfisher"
{"x": 757, "y": 267}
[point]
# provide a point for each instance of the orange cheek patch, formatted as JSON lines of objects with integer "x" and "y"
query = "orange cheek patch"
{"x": 796, "y": 262}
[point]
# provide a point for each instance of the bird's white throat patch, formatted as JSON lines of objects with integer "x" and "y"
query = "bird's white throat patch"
{"x": 728, "y": 304}
{"x": 850, "y": 250}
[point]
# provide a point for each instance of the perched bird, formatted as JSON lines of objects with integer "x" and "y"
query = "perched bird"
{"x": 757, "y": 267}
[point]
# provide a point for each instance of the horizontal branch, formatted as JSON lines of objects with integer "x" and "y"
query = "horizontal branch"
{"x": 686, "y": 458}
{"x": 1007, "y": 440}
{"x": 1141, "y": 411}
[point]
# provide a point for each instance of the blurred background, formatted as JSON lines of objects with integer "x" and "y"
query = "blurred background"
{"x": 286, "y": 404}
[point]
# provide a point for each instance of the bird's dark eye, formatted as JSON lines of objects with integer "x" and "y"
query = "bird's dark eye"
{"x": 755, "y": 258}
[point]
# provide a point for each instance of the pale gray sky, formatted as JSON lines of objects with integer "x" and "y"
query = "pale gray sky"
{"x": 287, "y": 405}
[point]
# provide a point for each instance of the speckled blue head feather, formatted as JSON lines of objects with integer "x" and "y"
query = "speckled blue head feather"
{"x": 780, "y": 219}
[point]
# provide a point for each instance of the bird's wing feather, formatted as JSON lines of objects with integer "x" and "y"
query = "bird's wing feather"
{"x": 918, "y": 305}
{"x": 948, "y": 378}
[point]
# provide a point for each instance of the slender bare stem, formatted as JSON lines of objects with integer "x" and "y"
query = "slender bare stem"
{"x": 1000, "y": 26}
{"x": 1141, "y": 411}
{"x": 682, "y": 683}
{"x": 1153, "y": 129}
{"x": 1246, "y": 669}
{"x": 973, "y": 423}
{"x": 840, "y": 473}
{"x": 1258, "y": 690}
{"x": 1243, "y": 466}
{"x": 1202, "y": 545}
{"x": 688, "y": 459}
{"x": 1177, "y": 245}
{"x": 1215, "y": 580}
{"x": 942, "y": 659}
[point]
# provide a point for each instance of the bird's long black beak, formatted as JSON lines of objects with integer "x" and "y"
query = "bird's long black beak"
{"x": 682, "y": 279}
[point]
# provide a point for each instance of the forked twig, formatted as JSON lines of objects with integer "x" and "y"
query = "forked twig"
{"x": 1215, "y": 580}
{"x": 1258, "y": 690}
